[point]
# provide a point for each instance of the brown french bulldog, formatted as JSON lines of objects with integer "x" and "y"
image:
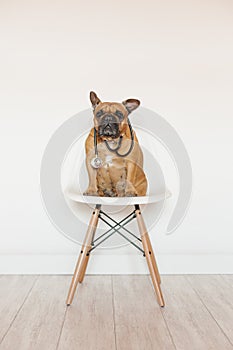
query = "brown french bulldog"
{"x": 114, "y": 159}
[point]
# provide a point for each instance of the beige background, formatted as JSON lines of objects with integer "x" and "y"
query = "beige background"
{"x": 175, "y": 56}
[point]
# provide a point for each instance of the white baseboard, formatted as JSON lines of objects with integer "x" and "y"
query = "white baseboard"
{"x": 117, "y": 264}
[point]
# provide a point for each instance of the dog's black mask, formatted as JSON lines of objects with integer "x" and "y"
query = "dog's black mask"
{"x": 108, "y": 126}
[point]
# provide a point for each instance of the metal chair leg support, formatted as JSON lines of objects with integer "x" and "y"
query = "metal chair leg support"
{"x": 149, "y": 256}
{"x": 83, "y": 256}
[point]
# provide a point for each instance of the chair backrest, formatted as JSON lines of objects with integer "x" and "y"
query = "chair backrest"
{"x": 57, "y": 170}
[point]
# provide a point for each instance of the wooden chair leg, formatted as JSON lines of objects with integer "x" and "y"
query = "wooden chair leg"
{"x": 83, "y": 256}
{"x": 87, "y": 256}
{"x": 149, "y": 257}
{"x": 83, "y": 269}
{"x": 155, "y": 266}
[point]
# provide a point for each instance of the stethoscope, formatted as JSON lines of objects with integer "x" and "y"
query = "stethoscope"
{"x": 97, "y": 162}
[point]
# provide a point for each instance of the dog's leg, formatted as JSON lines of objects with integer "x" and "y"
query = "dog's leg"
{"x": 130, "y": 190}
{"x": 92, "y": 189}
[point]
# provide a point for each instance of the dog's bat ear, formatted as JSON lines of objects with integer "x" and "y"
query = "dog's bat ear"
{"x": 94, "y": 99}
{"x": 131, "y": 104}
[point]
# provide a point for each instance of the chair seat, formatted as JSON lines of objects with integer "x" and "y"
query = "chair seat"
{"x": 77, "y": 197}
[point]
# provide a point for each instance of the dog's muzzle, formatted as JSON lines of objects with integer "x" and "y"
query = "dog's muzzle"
{"x": 109, "y": 126}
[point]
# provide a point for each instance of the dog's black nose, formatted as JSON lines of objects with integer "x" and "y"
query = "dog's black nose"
{"x": 108, "y": 130}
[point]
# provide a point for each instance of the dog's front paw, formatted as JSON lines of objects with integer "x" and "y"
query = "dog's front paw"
{"x": 90, "y": 192}
{"x": 131, "y": 194}
{"x": 130, "y": 190}
{"x": 109, "y": 193}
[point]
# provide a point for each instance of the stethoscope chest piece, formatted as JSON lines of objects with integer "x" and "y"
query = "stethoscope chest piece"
{"x": 96, "y": 162}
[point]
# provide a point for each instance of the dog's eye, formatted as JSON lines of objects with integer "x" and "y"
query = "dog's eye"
{"x": 120, "y": 115}
{"x": 98, "y": 114}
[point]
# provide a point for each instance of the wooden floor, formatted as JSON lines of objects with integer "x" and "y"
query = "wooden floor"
{"x": 116, "y": 312}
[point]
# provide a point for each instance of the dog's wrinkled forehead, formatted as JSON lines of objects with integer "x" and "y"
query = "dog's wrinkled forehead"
{"x": 113, "y": 108}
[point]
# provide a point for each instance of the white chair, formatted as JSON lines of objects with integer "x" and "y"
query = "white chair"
{"x": 69, "y": 211}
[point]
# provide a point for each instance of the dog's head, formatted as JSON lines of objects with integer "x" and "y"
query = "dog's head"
{"x": 110, "y": 118}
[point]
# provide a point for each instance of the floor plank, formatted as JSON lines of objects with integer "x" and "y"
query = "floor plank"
{"x": 38, "y": 324}
{"x": 191, "y": 325}
{"x": 138, "y": 318}
{"x": 217, "y": 294}
{"x": 13, "y": 293}
{"x": 89, "y": 322}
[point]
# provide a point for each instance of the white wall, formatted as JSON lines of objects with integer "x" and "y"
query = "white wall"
{"x": 176, "y": 57}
